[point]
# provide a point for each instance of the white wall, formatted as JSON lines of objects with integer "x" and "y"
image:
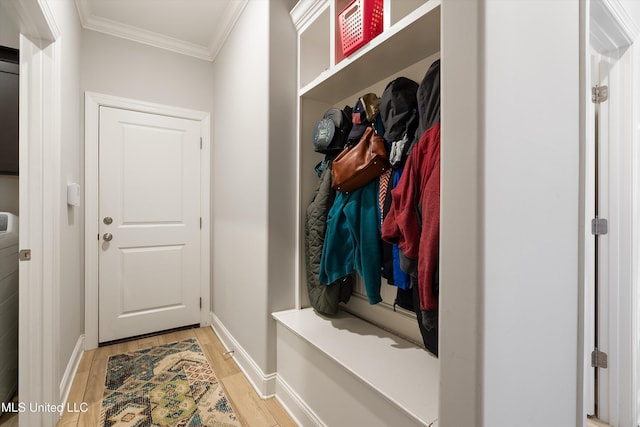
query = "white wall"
{"x": 531, "y": 212}
{"x": 115, "y": 66}
{"x": 253, "y": 208}
{"x": 10, "y": 37}
{"x": 510, "y": 187}
{"x": 282, "y": 209}
{"x": 71, "y": 265}
{"x": 240, "y": 183}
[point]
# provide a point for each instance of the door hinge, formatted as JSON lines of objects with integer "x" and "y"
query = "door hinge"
{"x": 599, "y": 226}
{"x": 25, "y": 255}
{"x": 200, "y": 223}
{"x": 599, "y": 94}
{"x": 598, "y": 359}
{"x": 200, "y": 302}
{"x": 201, "y": 143}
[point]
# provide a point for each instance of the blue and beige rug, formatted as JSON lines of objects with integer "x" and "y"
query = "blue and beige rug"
{"x": 171, "y": 385}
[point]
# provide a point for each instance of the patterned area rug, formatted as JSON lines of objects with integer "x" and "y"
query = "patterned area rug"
{"x": 172, "y": 385}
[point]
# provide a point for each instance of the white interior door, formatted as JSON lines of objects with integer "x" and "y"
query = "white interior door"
{"x": 149, "y": 223}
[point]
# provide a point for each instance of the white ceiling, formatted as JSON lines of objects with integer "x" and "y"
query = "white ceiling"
{"x": 191, "y": 27}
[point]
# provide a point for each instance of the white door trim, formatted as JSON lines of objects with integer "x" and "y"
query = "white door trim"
{"x": 39, "y": 305}
{"x": 615, "y": 35}
{"x": 93, "y": 101}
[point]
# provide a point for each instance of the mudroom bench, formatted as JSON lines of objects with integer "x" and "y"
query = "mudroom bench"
{"x": 345, "y": 371}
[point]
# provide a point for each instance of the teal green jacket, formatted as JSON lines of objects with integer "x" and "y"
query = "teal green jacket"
{"x": 352, "y": 240}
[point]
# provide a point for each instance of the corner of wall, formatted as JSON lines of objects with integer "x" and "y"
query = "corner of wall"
{"x": 282, "y": 200}
{"x": 264, "y": 384}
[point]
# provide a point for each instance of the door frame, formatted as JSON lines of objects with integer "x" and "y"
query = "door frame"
{"x": 93, "y": 102}
{"x": 610, "y": 30}
{"x": 39, "y": 305}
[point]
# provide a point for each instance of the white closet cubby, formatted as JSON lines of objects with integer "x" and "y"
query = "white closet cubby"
{"x": 409, "y": 43}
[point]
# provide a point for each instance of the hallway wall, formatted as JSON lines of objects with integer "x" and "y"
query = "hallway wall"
{"x": 70, "y": 269}
{"x": 253, "y": 165}
{"x": 119, "y": 67}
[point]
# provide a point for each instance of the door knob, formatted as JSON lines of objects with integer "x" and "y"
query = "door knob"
{"x": 107, "y": 220}
{"x": 107, "y": 237}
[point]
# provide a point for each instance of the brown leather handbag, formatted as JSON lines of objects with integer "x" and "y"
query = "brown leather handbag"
{"x": 359, "y": 164}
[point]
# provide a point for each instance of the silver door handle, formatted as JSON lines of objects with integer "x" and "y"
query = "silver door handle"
{"x": 107, "y": 220}
{"x": 107, "y": 237}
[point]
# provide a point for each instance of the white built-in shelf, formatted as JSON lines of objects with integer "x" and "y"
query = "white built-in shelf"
{"x": 315, "y": 47}
{"x": 410, "y": 41}
{"x": 385, "y": 362}
{"x": 411, "y": 33}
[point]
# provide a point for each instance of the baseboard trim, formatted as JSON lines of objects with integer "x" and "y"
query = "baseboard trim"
{"x": 70, "y": 371}
{"x": 297, "y": 408}
{"x": 264, "y": 384}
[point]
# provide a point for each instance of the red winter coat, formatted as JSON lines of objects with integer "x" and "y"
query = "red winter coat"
{"x": 413, "y": 221}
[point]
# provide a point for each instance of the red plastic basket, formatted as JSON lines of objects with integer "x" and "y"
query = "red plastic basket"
{"x": 360, "y": 22}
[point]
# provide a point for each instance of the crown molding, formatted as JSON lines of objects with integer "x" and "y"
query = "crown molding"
{"x": 228, "y": 21}
{"x": 611, "y": 26}
{"x": 136, "y": 34}
{"x": 305, "y": 11}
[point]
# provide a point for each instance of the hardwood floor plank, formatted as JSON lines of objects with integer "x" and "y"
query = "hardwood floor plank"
{"x": 223, "y": 366}
{"x": 95, "y": 383}
{"x": 203, "y": 335}
{"x": 594, "y": 422}
{"x": 86, "y": 360}
{"x": 91, "y": 417}
{"x": 128, "y": 347}
{"x": 167, "y": 338}
{"x": 244, "y": 400}
{"x": 184, "y": 334}
{"x": 147, "y": 342}
{"x": 75, "y": 399}
{"x": 68, "y": 421}
{"x": 278, "y": 412}
{"x": 103, "y": 353}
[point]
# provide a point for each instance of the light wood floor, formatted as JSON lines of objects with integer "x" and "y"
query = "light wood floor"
{"x": 594, "y": 422}
{"x": 252, "y": 411}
